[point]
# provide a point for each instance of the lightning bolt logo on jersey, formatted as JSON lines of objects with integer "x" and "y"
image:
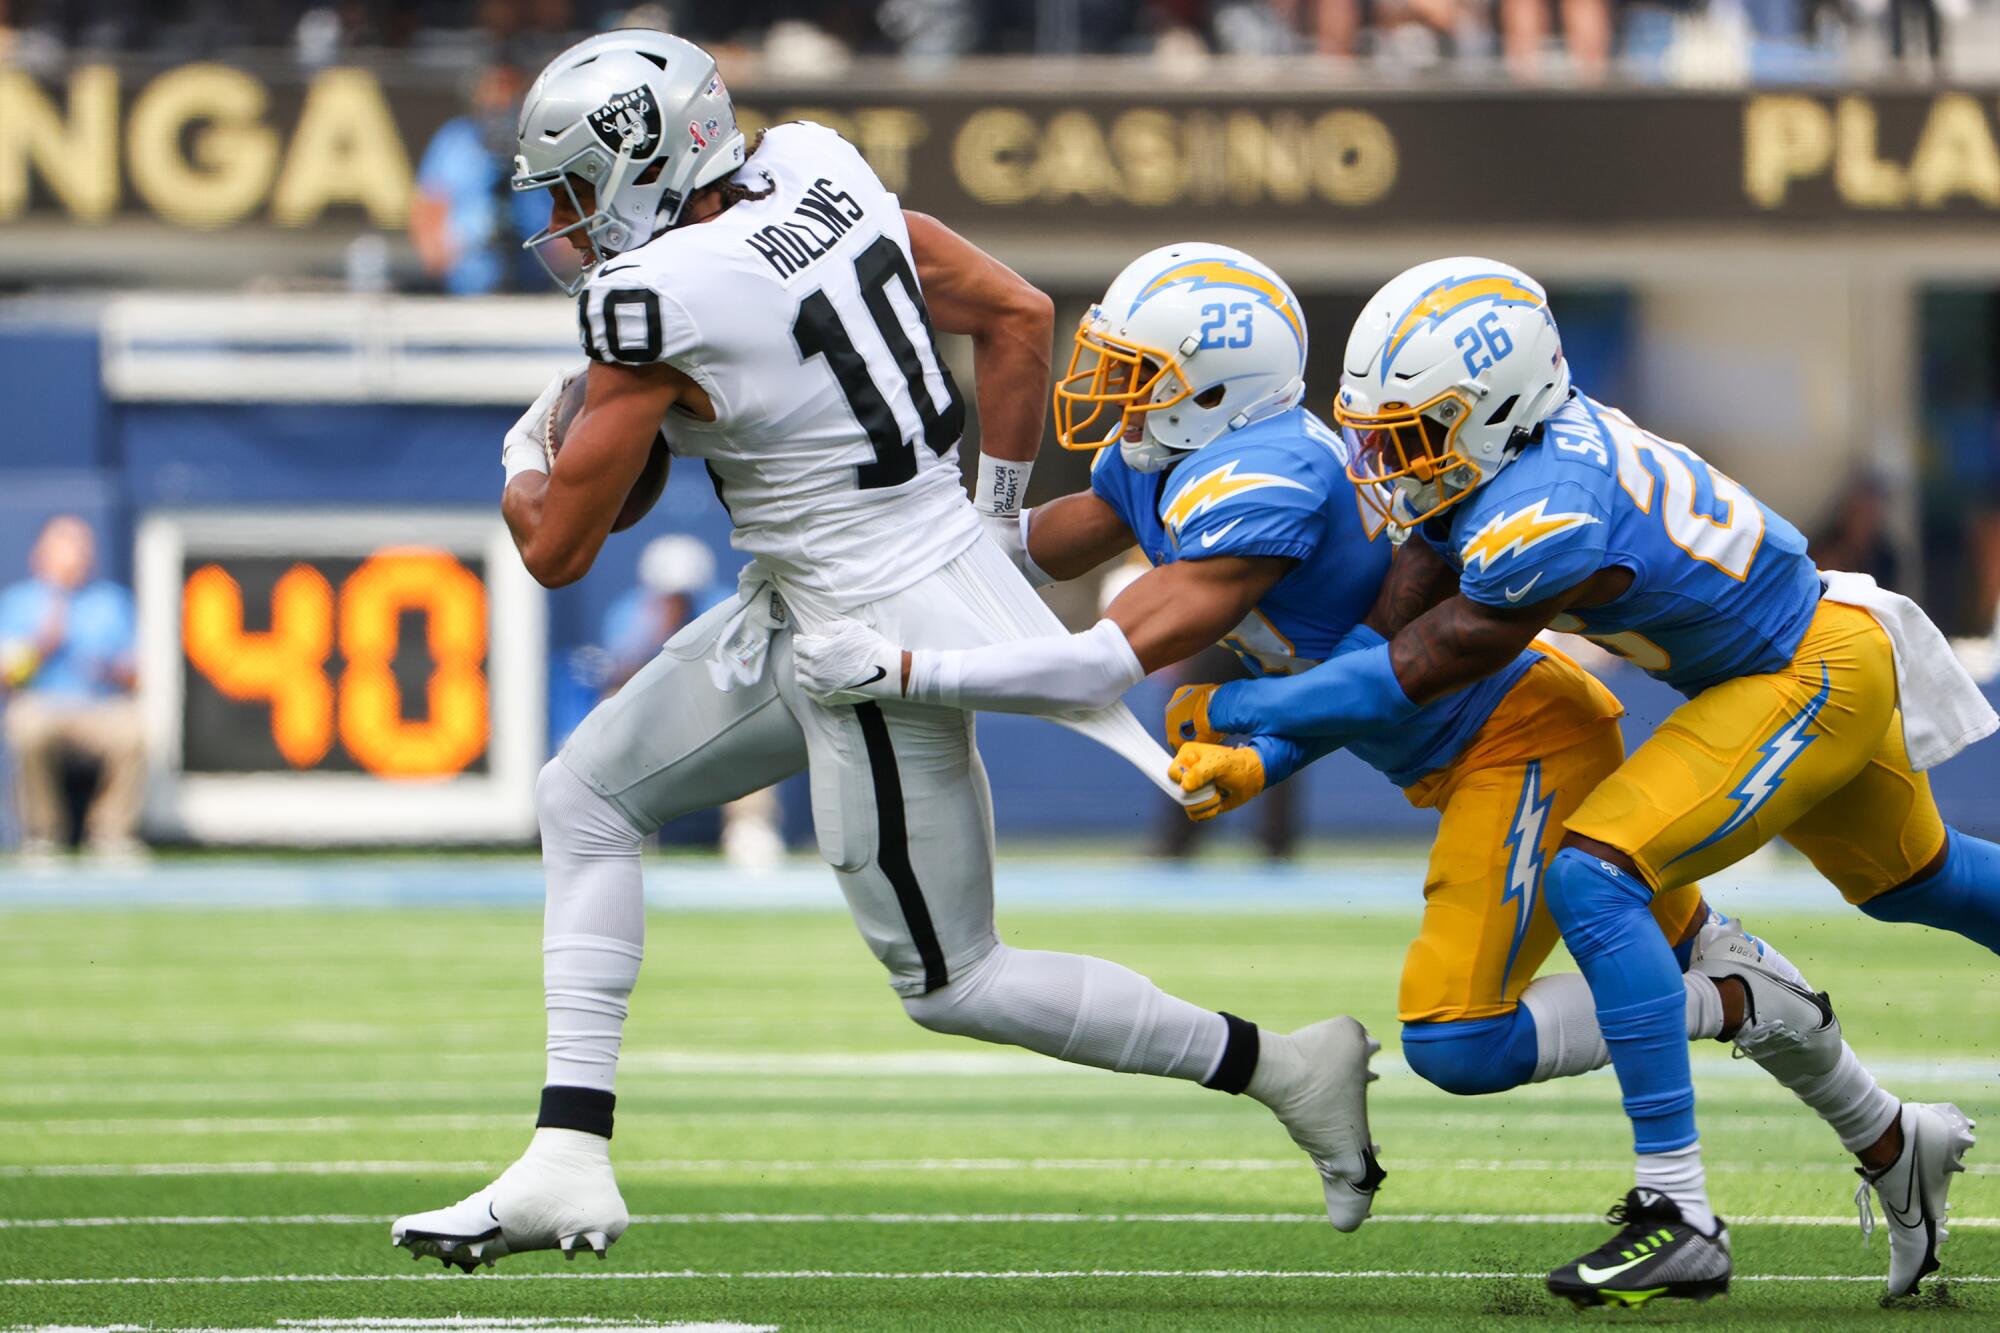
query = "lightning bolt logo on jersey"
{"x": 1721, "y": 585}
{"x": 1279, "y": 488}
{"x": 1523, "y": 530}
{"x": 1211, "y": 488}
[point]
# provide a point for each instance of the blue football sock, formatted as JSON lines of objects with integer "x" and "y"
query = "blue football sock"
{"x": 1641, "y": 1000}
{"x": 1963, "y": 896}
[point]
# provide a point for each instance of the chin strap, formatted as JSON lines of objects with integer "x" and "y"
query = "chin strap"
{"x": 1284, "y": 400}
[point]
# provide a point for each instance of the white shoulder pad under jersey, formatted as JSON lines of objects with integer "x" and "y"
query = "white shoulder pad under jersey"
{"x": 835, "y": 441}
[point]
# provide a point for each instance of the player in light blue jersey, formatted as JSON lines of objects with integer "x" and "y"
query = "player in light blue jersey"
{"x": 1187, "y": 381}
{"x": 1539, "y": 508}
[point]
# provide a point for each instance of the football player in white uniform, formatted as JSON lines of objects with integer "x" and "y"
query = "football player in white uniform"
{"x": 772, "y": 305}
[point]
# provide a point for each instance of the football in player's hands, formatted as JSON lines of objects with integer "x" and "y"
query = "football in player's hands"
{"x": 645, "y": 492}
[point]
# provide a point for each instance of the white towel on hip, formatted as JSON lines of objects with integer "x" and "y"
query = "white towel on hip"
{"x": 1943, "y": 711}
{"x": 743, "y": 645}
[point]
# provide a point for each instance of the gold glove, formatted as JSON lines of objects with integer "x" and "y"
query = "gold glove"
{"x": 1187, "y": 715}
{"x": 1236, "y": 772}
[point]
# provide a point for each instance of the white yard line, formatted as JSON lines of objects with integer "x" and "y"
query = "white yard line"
{"x": 876, "y": 1166}
{"x": 946, "y": 1219}
{"x": 457, "y": 1323}
{"x": 940, "y": 1275}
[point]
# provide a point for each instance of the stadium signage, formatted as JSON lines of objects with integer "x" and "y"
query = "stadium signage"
{"x": 199, "y": 147}
{"x": 215, "y": 145}
{"x": 1952, "y": 157}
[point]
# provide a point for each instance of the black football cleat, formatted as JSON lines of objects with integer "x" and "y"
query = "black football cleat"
{"x": 1654, "y": 1254}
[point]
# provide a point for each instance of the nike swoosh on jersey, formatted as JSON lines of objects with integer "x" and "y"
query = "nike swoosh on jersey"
{"x": 619, "y": 269}
{"x": 1215, "y": 535}
{"x": 1589, "y": 1274}
{"x": 1516, "y": 594}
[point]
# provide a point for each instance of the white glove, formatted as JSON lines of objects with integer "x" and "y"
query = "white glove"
{"x": 525, "y": 447}
{"x": 848, "y": 663}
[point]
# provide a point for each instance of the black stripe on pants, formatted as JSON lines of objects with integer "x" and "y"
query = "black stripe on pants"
{"x": 893, "y": 843}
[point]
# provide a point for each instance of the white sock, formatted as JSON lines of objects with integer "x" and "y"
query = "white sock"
{"x": 1083, "y": 1010}
{"x": 1679, "y": 1176}
{"x": 1567, "y": 1038}
{"x": 571, "y": 1144}
{"x": 1704, "y": 1006}
{"x": 594, "y": 928}
{"x": 1847, "y": 1097}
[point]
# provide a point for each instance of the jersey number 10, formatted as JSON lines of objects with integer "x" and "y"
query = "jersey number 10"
{"x": 818, "y": 331}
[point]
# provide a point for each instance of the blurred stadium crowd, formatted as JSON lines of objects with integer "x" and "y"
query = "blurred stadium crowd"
{"x": 1690, "y": 41}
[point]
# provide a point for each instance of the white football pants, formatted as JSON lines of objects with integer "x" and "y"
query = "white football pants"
{"x": 902, "y": 813}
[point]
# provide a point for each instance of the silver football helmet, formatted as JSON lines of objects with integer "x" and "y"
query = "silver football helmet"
{"x": 643, "y": 119}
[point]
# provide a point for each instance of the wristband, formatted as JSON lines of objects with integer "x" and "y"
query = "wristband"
{"x": 1002, "y": 484}
{"x": 524, "y": 456}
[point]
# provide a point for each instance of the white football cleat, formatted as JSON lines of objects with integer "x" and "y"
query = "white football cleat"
{"x": 1913, "y": 1189}
{"x": 1316, "y": 1081}
{"x": 1787, "y": 1027}
{"x": 560, "y": 1195}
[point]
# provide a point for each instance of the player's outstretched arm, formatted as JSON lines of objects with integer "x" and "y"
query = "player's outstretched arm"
{"x": 1167, "y": 614}
{"x": 1452, "y": 645}
{"x": 1419, "y": 579}
{"x": 1012, "y": 326}
{"x": 560, "y": 518}
{"x": 1073, "y": 535}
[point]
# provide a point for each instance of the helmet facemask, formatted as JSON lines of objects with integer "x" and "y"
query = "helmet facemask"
{"x": 607, "y": 231}
{"x": 1411, "y": 452}
{"x": 1108, "y": 374}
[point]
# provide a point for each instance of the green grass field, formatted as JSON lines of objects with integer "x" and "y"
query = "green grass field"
{"x": 208, "y": 1120}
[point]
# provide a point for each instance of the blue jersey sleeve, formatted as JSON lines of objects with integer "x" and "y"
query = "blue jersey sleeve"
{"x": 1519, "y": 551}
{"x": 1353, "y": 695}
{"x": 1243, "y": 509}
{"x": 1118, "y": 486}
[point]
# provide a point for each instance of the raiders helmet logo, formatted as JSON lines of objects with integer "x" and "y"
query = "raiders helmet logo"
{"x": 629, "y": 118}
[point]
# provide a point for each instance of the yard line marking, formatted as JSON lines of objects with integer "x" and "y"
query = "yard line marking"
{"x": 509, "y": 1321}
{"x": 873, "y": 1066}
{"x": 718, "y": 1165}
{"x": 455, "y": 1323}
{"x": 125, "y": 1169}
{"x": 233, "y": 1125}
{"x": 847, "y": 1275}
{"x": 952, "y": 1219}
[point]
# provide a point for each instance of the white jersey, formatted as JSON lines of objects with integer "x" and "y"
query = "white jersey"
{"x": 835, "y": 443}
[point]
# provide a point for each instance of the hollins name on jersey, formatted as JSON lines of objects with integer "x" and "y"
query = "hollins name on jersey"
{"x": 825, "y": 213}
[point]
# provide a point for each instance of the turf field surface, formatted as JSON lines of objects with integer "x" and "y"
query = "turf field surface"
{"x": 210, "y": 1118}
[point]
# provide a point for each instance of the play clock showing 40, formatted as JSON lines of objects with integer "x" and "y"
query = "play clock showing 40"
{"x": 343, "y": 676}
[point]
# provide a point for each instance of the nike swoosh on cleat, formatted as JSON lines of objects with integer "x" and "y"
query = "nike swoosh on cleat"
{"x": 1215, "y": 535}
{"x": 1589, "y": 1274}
{"x": 1516, "y": 594}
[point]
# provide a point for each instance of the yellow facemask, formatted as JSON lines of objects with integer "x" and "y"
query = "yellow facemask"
{"x": 1108, "y": 373}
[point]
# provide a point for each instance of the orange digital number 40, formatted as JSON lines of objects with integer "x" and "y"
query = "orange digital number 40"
{"x": 286, "y": 665}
